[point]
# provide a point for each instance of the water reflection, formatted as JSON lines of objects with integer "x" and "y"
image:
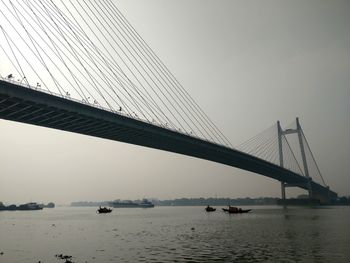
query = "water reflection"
{"x": 176, "y": 234}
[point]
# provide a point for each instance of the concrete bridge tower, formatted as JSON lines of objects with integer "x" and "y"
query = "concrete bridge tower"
{"x": 299, "y": 132}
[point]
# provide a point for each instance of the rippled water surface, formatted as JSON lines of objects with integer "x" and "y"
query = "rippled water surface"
{"x": 176, "y": 234}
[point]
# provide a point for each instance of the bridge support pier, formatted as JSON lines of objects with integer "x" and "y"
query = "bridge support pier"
{"x": 283, "y": 190}
{"x": 324, "y": 197}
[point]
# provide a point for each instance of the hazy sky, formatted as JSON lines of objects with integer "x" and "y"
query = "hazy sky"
{"x": 247, "y": 63}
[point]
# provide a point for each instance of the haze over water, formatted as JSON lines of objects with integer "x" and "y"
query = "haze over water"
{"x": 247, "y": 64}
{"x": 176, "y": 234}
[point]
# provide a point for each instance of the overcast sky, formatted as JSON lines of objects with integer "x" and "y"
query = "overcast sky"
{"x": 247, "y": 63}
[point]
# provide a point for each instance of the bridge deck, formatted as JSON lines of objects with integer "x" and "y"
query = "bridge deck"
{"x": 21, "y": 104}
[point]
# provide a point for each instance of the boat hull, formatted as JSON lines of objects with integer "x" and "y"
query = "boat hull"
{"x": 104, "y": 210}
{"x": 236, "y": 212}
{"x": 24, "y": 207}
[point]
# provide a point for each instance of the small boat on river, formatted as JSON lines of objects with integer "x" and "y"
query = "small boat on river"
{"x": 235, "y": 210}
{"x": 210, "y": 209}
{"x": 104, "y": 210}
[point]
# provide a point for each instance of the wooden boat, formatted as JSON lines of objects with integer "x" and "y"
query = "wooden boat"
{"x": 210, "y": 209}
{"x": 235, "y": 210}
{"x": 104, "y": 210}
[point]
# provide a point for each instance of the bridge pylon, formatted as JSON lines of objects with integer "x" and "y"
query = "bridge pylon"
{"x": 280, "y": 152}
{"x": 299, "y": 132}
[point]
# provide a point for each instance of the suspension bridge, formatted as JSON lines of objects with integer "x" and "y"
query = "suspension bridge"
{"x": 80, "y": 66}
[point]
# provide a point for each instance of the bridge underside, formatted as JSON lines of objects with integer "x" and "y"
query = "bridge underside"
{"x": 34, "y": 107}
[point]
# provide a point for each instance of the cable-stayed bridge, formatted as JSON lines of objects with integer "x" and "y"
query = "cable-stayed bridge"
{"x": 80, "y": 66}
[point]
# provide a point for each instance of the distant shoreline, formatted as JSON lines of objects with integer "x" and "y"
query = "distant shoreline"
{"x": 221, "y": 202}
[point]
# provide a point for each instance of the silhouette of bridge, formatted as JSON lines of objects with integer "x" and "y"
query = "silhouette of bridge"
{"x": 119, "y": 89}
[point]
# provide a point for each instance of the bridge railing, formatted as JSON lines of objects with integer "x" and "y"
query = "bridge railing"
{"x": 98, "y": 106}
{"x": 84, "y": 102}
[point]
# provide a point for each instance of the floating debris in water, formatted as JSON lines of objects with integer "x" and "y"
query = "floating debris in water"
{"x": 61, "y": 256}
{"x": 66, "y": 257}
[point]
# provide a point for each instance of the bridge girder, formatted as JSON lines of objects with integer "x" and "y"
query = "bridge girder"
{"x": 21, "y": 104}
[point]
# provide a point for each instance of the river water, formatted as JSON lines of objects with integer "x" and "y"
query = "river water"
{"x": 176, "y": 234}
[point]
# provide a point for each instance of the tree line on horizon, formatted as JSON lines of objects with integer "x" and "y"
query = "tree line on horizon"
{"x": 210, "y": 201}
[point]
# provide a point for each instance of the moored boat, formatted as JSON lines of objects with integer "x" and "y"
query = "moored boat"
{"x": 130, "y": 204}
{"x": 50, "y": 205}
{"x": 23, "y": 207}
{"x": 146, "y": 204}
{"x": 104, "y": 210}
{"x": 210, "y": 209}
{"x": 30, "y": 206}
{"x": 235, "y": 210}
